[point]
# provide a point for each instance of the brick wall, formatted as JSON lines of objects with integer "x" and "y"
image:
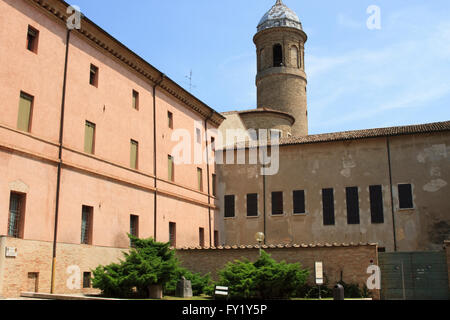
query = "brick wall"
{"x": 36, "y": 257}
{"x": 348, "y": 263}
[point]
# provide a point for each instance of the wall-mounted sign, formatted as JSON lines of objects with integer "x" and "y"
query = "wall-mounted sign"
{"x": 10, "y": 252}
{"x": 319, "y": 273}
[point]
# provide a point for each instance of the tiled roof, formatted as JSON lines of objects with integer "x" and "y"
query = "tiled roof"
{"x": 281, "y": 246}
{"x": 368, "y": 133}
{"x": 258, "y": 110}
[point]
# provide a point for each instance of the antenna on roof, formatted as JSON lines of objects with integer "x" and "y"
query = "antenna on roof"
{"x": 190, "y": 81}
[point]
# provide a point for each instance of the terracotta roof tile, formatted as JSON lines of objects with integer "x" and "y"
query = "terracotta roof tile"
{"x": 280, "y": 246}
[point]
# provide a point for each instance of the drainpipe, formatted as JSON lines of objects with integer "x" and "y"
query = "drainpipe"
{"x": 155, "y": 205}
{"x": 391, "y": 190}
{"x": 264, "y": 198}
{"x": 207, "y": 174}
{"x": 58, "y": 179}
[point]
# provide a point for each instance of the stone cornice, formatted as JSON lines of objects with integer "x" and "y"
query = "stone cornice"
{"x": 280, "y": 30}
{"x": 104, "y": 41}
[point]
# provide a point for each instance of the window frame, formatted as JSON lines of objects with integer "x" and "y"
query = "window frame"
{"x": 256, "y": 202}
{"x": 200, "y": 179}
{"x": 93, "y": 126}
{"x": 374, "y": 217}
{"x": 273, "y": 203}
{"x": 134, "y": 166}
{"x": 170, "y": 119}
{"x": 19, "y": 223}
{"x": 93, "y": 81}
{"x": 331, "y": 218}
{"x": 87, "y": 229}
{"x": 35, "y": 39}
{"x": 135, "y": 99}
{"x": 400, "y": 207}
{"x": 294, "y": 202}
{"x": 227, "y": 202}
{"x": 353, "y": 213}
{"x": 173, "y": 234}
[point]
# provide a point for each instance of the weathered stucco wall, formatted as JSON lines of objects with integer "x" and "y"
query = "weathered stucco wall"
{"x": 421, "y": 160}
{"x": 347, "y": 263}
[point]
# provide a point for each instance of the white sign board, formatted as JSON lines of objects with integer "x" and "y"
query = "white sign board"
{"x": 10, "y": 252}
{"x": 319, "y": 273}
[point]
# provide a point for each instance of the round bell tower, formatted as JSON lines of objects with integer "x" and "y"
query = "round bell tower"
{"x": 281, "y": 79}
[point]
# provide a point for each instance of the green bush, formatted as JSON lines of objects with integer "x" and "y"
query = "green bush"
{"x": 200, "y": 283}
{"x": 148, "y": 263}
{"x": 263, "y": 279}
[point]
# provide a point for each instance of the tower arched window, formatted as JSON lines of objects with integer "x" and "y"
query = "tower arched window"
{"x": 277, "y": 55}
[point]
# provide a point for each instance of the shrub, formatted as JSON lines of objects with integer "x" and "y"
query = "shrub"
{"x": 263, "y": 279}
{"x": 200, "y": 283}
{"x": 148, "y": 263}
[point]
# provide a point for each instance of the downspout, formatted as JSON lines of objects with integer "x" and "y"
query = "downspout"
{"x": 155, "y": 205}
{"x": 264, "y": 198}
{"x": 391, "y": 190}
{"x": 207, "y": 174}
{"x": 58, "y": 179}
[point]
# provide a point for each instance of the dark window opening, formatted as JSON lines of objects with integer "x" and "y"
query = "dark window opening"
{"x": 252, "y": 205}
{"x": 328, "y": 207}
{"x": 229, "y": 206}
{"x": 299, "y": 202}
{"x": 214, "y": 185}
{"x": 86, "y": 280}
{"x": 376, "y": 204}
{"x": 381, "y": 249}
{"x": 201, "y": 237}
{"x": 277, "y": 55}
{"x": 135, "y": 100}
{"x": 170, "y": 119}
{"x": 405, "y": 196}
{"x": 216, "y": 238}
{"x": 173, "y": 234}
{"x": 16, "y": 215}
{"x": 86, "y": 225}
{"x": 352, "y": 205}
{"x": 32, "y": 39}
{"x": 134, "y": 228}
{"x": 93, "y": 76}
{"x": 277, "y": 203}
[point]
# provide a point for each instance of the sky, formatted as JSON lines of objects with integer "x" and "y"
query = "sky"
{"x": 358, "y": 77}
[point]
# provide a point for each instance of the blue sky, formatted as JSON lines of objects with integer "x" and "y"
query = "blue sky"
{"x": 357, "y": 78}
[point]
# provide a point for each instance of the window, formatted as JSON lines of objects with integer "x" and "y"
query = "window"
{"x": 32, "y": 39}
{"x": 405, "y": 196}
{"x": 277, "y": 55}
{"x": 198, "y": 134}
{"x": 229, "y": 206}
{"x": 200, "y": 179}
{"x": 134, "y": 149}
{"x": 299, "y": 201}
{"x": 135, "y": 100}
{"x": 89, "y": 137}
{"x": 16, "y": 215}
{"x": 25, "y": 112}
{"x": 171, "y": 167}
{"x": 213, "y": 144}
{"x": 252, "y": 205}
{"x": 201, "y": 237}
{"x": 328, "y": 206}
{"x": 173, "y": 234}
{"x": 216, "y": 238}
{"x": 214, "y": 187}
{"x": 134, "y": 225}
{"x": 86, "y": 280}
{"x": 33, "y": 282}
{"x": 352, "y": 205}
{"x": 86, "y": 225}
{"x": 277, "y": 203}
{"x": 93, "y": 76}
{"x": 376, "y": 204}
{"x": 170, "y": 119}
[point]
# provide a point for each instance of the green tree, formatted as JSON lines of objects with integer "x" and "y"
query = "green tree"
{"x": 263, "y": 279}
{"x": 147, "y": 263}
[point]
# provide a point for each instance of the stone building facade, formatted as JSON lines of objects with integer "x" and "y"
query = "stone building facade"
{"x": 387, "y": 186}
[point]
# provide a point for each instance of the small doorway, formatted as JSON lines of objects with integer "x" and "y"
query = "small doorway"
{"x": 33, "y": 282}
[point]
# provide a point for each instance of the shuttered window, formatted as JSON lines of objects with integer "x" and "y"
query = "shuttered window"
{"x": 32, "y": 39}
{"x": 86, "y": 279}
{"x": 25, "y": 109}
{"x": 277, "y": 203}
{"x": 200, "y": 179}
{"x": 93, "y": 76}
{"x": 229, "y": 206}
{"x": 201, "y": 237}
{"x": 135, "y": 102}
{"x": 134, "y": 149}
{"x": 352, "y": 205}
{"x": 328, "y": 206}
{"x": 405, "y": 196}
{"x": 376, "y": 204}
{"x": 171, "y": 167}
{"x": 252, "y": 205}
{"x": 173, "y": 234}
{"x": 299, "y": 202}
{"x": 86, "y": 225}
{"x": 89, "y": 137}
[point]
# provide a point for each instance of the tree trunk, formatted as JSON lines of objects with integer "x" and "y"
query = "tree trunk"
{"x": 155, "y": 291}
